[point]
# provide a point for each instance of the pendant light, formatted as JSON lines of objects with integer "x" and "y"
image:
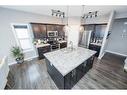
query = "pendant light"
{"x": 81, "y": 29}
{"x": 66, "y": 26}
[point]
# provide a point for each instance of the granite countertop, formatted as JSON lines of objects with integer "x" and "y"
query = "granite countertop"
{"x": 98, "y": 44}
{"x": 42, "y": 45}
{"x": 65, "y": 61}
{"x": 63, "y": 41}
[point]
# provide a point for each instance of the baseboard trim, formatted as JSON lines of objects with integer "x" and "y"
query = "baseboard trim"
{"x": 116, "y": 53}
{"x": 24, "y": 59}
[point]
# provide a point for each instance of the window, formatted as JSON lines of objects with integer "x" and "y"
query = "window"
{"x": 22, "y": 35}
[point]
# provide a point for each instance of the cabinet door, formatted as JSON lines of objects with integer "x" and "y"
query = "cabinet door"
{"x": 73, "y": 77}
{"x": 60, "y": 30}
{"x": 51, "y": 28}
{"x": 43, "y": 30}
{"x": 63, "y": 45}
{"x": 90, "y": 63}
{"x": 96, "y": 48}
{"x": 36, "y": 31}
{"x": 85, "y": 69}
{"x": 43, "y": 50}
{"x": 67, "y": 81}
{"x": 80, "y": 71}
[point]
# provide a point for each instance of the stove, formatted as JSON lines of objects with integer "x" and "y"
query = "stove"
{"x": 54, "y": 45}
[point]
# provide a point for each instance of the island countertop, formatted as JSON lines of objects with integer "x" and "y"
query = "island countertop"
{"x": 65, "y": 62}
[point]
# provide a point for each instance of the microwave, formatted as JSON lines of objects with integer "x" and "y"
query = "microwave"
{"x": 52, "y": 34}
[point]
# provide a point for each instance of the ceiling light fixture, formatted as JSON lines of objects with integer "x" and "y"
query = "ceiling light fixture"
{"x": 66, "y": 28}
{"x": 90, "y": 15}
{"x": 81, "y": 29}
{"x": 58, "y": 13}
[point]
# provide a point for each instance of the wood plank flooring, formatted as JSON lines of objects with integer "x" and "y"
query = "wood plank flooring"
{"x": 107, "y": 73}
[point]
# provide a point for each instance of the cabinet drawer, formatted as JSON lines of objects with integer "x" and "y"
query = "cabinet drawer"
{"x": 42, "y": 50}
{"x": 96, "y": 48}
{"x": 63, "y": 45}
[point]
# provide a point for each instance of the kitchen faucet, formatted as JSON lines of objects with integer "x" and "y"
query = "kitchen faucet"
{"x": 71, "y": 45}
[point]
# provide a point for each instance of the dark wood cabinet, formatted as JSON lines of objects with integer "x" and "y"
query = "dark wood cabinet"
{"x": 60, "y": 29}
{"x": 63, "y": 45}
{"x": 51, "y": 27}
{"x": 43, "y": 30}
{"x": 36, "y": 31}
{"x": 55, "y": 75}
{"x": 96, "y": 48}
{"x": 69, "y": 80}
{"x": 42, "y": 50}
{"x": 40, "y": 30}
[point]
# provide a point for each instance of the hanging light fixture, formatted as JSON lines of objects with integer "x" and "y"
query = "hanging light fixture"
{"x": 58, "y": 13}
{"x": 81, "y": 29}
{"x": 90, "y": 14}
{"x": 66, "y": 26}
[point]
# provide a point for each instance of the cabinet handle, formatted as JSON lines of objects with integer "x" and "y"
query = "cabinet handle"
{"x": 84, "y": 64}
{"x": 73, "y": 73}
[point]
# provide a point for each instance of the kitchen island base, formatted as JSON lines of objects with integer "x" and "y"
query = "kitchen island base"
{"x": 69, "y": 80}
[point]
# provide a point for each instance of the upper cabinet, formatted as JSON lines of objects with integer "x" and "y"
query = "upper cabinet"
{"x": 43, "y": 30}
{"x": 51, "y": 27}
{"x": 36, "y": 31}
{"x": 60, "y": 30}
{"x": 40, "y": 30}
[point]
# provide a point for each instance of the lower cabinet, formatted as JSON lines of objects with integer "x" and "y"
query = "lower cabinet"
{"x": 96, "y": 48}
{"x": 63, "y": 45}
{"x": 42, "y": 50}
{"x": 69, "y": 80}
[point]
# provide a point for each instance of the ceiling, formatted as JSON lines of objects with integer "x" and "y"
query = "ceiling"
{"x": 73, "y": 10}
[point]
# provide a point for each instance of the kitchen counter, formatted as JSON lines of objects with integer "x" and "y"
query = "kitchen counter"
{"x": 42, "y": 45}
{"x": 65, "y": 61}
{"x": 66, "y": 66}
{"x": 97, "y": 44}
{"x": 63, "y": 41}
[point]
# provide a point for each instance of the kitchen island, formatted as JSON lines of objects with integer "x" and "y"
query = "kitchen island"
{"x": 67, "y": 66}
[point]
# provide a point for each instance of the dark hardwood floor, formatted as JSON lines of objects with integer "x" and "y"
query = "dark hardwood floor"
{"x": 107, "y": 73}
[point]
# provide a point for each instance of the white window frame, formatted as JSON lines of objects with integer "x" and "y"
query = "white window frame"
{"x": 17, "y": 39}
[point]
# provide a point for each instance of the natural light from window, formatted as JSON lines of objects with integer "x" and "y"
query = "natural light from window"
{"x": 23, "y": 38}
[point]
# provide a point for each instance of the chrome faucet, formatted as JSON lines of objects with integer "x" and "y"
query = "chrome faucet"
{"x": 71, "y": 45}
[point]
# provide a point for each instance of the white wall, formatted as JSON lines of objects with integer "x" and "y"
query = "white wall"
{"x": 73, "y": 33}
{"x": 7, "y": 40}
{"x": 117, "y": 43}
